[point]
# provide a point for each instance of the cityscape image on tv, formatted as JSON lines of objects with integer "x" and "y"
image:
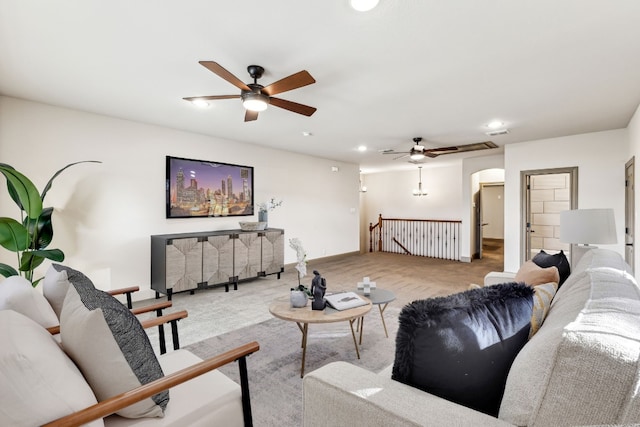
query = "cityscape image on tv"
{"x": 200, "y": 188}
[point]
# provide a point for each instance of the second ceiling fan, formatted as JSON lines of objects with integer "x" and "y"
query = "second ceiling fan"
{"x": 418, "y": 152}
{"x": 256, "y": 97}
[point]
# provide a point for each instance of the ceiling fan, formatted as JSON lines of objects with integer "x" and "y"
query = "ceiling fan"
{"x": 419, "y": 152}
{"x": 256, "y": 97}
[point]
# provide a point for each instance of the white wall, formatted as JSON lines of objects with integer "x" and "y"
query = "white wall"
{"x": 390, "y": 194}
{"x": 105, "y": 213}
{"x": 600, "y": 158}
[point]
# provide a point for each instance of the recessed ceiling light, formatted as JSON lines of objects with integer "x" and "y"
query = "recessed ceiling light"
{"x": 307, "y": 134}
{"x": 362, "y": 148}
{"x": 363, "y": 5}
{"x": 496, "y": 124}
{"x": 200, "y": 103}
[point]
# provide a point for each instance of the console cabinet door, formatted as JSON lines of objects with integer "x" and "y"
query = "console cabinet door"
{"x": 183, "y": 264}
{"x": 272, "y": 252}
{"x": 246, "y": 255}
{"x": 217, "y": 259}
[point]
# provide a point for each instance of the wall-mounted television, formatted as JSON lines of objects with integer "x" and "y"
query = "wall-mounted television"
{"x": 201, "y": 188}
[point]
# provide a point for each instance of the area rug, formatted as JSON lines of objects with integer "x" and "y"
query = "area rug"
{"x": 274, "y": 371}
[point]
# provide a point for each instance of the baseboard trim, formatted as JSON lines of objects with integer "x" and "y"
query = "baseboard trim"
{"x": 326, "y": 258}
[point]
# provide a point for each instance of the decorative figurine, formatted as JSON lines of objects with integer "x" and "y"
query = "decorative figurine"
{"x": 318, "y": 288}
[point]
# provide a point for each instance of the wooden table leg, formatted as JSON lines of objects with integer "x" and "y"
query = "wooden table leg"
{"x": 382, "y": 309}
{"x": 353, "y": 334}
{"x": 304, "y": 329}
{"x": 361, "y": 324}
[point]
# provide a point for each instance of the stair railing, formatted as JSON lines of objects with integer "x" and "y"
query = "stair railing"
{"x": 435, "y": 238}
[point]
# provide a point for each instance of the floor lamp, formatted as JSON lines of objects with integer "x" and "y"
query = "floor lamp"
{"x": 585, "y": 227}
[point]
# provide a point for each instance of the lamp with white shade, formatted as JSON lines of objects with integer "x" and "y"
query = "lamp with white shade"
{"x": 587, "y": 227}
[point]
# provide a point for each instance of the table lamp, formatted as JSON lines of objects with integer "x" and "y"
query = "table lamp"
{"x": 587, "y": 227}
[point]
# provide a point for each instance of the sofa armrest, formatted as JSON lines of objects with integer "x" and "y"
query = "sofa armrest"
{"x": 340, "y": 393}
{"x": 497, "y": 277}
{"x": 113, "y": 404}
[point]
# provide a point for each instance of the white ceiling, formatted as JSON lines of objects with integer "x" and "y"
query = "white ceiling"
{"x": 432, "y": 68}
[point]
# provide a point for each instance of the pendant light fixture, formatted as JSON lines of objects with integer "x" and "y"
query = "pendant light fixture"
{"x": 419, "y": 191}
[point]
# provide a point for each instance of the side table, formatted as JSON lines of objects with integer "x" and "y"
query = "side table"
{"x": 381, "y": 298}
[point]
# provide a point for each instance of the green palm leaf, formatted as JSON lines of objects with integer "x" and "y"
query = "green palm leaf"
{"x": 13, "y": 235}
{"x": 22, "y": 191}
{"x": 50, "y": 183}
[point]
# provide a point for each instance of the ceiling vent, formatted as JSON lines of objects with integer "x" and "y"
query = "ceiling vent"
{"x": 498, "y": 132}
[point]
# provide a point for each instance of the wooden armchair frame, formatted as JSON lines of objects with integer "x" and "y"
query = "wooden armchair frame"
{"x": 113, "y": 404}
{"x": 159, "y": 321}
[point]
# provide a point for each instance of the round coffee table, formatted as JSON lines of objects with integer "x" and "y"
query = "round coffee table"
{"x": 281, "y": 308}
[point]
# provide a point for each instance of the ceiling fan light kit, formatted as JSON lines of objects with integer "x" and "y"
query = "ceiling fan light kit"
{"x": 253, "y": 101}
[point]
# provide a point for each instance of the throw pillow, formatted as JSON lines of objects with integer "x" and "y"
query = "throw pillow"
{"x": 17, "y": 294}
{"x": 543, "y": 259}
{"x": 461, "y": 347}
{"x": 109, "y": 345}
{"x": 541, "y": 302}
{"x": 532, "y": 274}
{"x": 38, "y": 382}
{"x": 54, "y": 287}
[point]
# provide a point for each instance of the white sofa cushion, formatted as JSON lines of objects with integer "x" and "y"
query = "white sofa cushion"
{"x": 38, "y": 382}
{"x": 211, "y": 399}
{"x": 17, "y": 294}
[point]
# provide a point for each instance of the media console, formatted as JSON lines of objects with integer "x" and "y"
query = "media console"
{"x": 188, "y": 261}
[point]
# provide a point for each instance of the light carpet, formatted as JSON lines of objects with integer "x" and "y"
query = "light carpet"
{"x": 274, "y": 371}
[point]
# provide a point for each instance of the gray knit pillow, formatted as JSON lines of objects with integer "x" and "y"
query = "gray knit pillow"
{"x": 109, "y": 345}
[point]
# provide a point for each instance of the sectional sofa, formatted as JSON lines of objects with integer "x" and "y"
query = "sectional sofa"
{"x": 582, "y": 367}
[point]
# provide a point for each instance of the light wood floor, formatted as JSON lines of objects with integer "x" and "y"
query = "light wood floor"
{"x": 409, "y": 277}
{"x": 213, "y": 312}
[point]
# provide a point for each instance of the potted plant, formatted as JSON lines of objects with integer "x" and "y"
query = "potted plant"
{"x": 29, "y": 237}
{"x": 299, "y": 294}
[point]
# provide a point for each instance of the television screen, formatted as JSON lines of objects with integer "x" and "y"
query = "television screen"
{"x": 200, "y": 188}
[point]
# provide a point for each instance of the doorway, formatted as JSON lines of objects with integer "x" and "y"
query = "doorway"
{"x": 490, "y": 219}
{"x": 546, "y": 193}
{"x": 629, "y": 211}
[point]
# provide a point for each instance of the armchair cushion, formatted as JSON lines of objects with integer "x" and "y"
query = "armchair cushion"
{"x": 109, "y": 345}
{"x": 17, "y": 294}
{"x": 461, "y": 347}
{"x": 38, "y": 381}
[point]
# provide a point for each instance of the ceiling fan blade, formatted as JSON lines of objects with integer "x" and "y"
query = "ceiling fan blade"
{"x": 250, "y": 116}
{"x": 395, "y": 152}
{"x": 433, "y": 152}
{"x": 210, "y": 98}
{"x": 400, "y": 157}
{"x": 216, "y": 68}
{"x": 294, "y": 81}
{"x": 305, "y": 110}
